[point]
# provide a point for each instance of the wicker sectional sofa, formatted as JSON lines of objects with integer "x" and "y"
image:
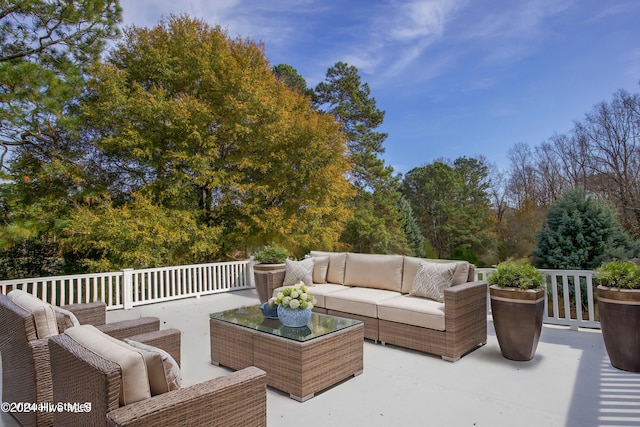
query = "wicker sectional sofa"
{"x": 377, "y": 289}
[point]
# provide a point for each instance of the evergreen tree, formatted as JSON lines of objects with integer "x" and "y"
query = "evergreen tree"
{"x": 47, "y": 47}
{"x": 290, "y": 77}
{"x": 377, "y": 224}
{"x": 411, "y": 228}
{"x": 581, "y": 232}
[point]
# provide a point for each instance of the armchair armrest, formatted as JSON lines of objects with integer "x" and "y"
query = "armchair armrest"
{"x": 91, "y": 313}
{"x": 239, "y": 398}
{"x": 127, "y": 328}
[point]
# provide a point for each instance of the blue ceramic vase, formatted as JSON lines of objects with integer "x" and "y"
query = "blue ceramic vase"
{"x": 294, "y": 318}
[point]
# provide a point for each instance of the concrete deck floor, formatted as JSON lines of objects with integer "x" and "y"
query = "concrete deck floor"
{"x": 570, "y": 382}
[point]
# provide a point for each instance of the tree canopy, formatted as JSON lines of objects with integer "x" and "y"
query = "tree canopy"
{"x": 45, "y": 47}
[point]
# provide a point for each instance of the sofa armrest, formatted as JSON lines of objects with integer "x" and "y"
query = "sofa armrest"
{"x": 239, "y": 398}
{"x": 463, "y": 303}
{"x": 91, "y": 313}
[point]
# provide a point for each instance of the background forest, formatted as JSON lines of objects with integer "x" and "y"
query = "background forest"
{"x": 180, "y": 145}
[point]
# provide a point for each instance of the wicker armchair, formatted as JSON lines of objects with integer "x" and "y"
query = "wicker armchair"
{"x": 79, "y": 375}
{"x": 26, "y": 372}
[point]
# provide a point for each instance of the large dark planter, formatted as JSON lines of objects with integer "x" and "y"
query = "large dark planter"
{"x": 517, "y": 318}
{"x": 619, "y": 311}
{"x": 265, "y": 277}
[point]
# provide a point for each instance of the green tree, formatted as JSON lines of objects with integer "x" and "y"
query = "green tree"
{"x": 581, "y": 232}
{"x": 290, "y": 77}
{"x": 451, "y": 204}
{"x": 137, "y": 235}
{"x": 196, "y": 121}
{"x": 46, "y": 48}
{"x": 377, "y": 225}
{"x": 411, "y": 228}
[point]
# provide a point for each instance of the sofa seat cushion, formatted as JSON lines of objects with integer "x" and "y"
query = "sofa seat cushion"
{"x": 321, "y": 291}
{"x": 361, "y": 301}
{"x": 374, "y": 271}
{"x": 44, "y": 316}
{"x": 416, "y": 311}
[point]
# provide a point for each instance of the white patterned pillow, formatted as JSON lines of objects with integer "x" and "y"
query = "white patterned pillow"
{"x": 432, "y": 279}
{"x": 297, "y": 271}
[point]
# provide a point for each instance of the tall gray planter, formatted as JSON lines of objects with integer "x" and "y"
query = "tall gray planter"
{"x": 517, "y": 317}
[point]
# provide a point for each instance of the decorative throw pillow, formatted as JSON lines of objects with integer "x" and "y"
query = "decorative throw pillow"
{"x": 432, "y": 279}
{"x": 320, "y": 268}
{"x": 66, "y": 319}
{"x": 297, "y": 271}
{"x": 164, "y": 376}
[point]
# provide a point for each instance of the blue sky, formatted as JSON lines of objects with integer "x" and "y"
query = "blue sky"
{"x": 455, "y": 77}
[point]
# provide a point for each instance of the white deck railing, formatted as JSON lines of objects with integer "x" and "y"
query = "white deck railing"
{"x": 578, "y": 310}
{"x": 129, "y": 288}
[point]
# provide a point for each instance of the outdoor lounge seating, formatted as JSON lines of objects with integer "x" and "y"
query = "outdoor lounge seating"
{"x": 380, "y": 290}
{"x": 26, "y": 323}
{"x": 122, "y": 394}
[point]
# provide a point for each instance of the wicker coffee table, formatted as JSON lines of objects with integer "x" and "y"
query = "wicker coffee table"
{"x": 298, "y": 361}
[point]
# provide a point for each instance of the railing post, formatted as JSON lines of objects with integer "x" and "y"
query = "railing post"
{"x": 127, "y": 288}
{"x": 250, "y": 279}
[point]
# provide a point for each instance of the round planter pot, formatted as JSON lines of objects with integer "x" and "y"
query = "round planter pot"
{"x": 517, "y": 318}
{"x": 619, "y": 311}
{"x": 261, "y": 278}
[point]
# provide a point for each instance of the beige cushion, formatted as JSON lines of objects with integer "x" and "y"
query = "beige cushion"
{"x": 298, "y": 271}
{"x": 411, "y": 264}
{"x": 43, "y": 313}
{"x": 320, "y": 269}
{"x": 432, "y": 279}
{"x": 361, "y": 301}
{"x": 320, "y": 292}
{"x": 414, "y": 311}
{"x": 374, "y": 271}
{"x": 163, "y": 370}
{"x": 335, "y": 273}
{"x": 135, "y": 380}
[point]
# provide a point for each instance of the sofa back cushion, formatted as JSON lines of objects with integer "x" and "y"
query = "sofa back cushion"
{"x": 134, "y": 384}
{"x": 374, "y": 271}
{"x": 335, "y": 272}
{"x": 411, "y": 265}
{"x": 43, "y": 313}
{"x": 320, "y": 269}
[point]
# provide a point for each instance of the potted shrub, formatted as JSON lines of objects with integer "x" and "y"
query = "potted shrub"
{"x": 619, "y": 310}
{"x": 268, "y": 266}
{"x": 517, "y": 304}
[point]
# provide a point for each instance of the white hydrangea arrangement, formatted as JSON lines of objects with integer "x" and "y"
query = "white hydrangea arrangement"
{"x": 294, "y": 297}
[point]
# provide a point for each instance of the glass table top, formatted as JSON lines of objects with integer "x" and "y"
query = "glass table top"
{"x": 251, "y": 317}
